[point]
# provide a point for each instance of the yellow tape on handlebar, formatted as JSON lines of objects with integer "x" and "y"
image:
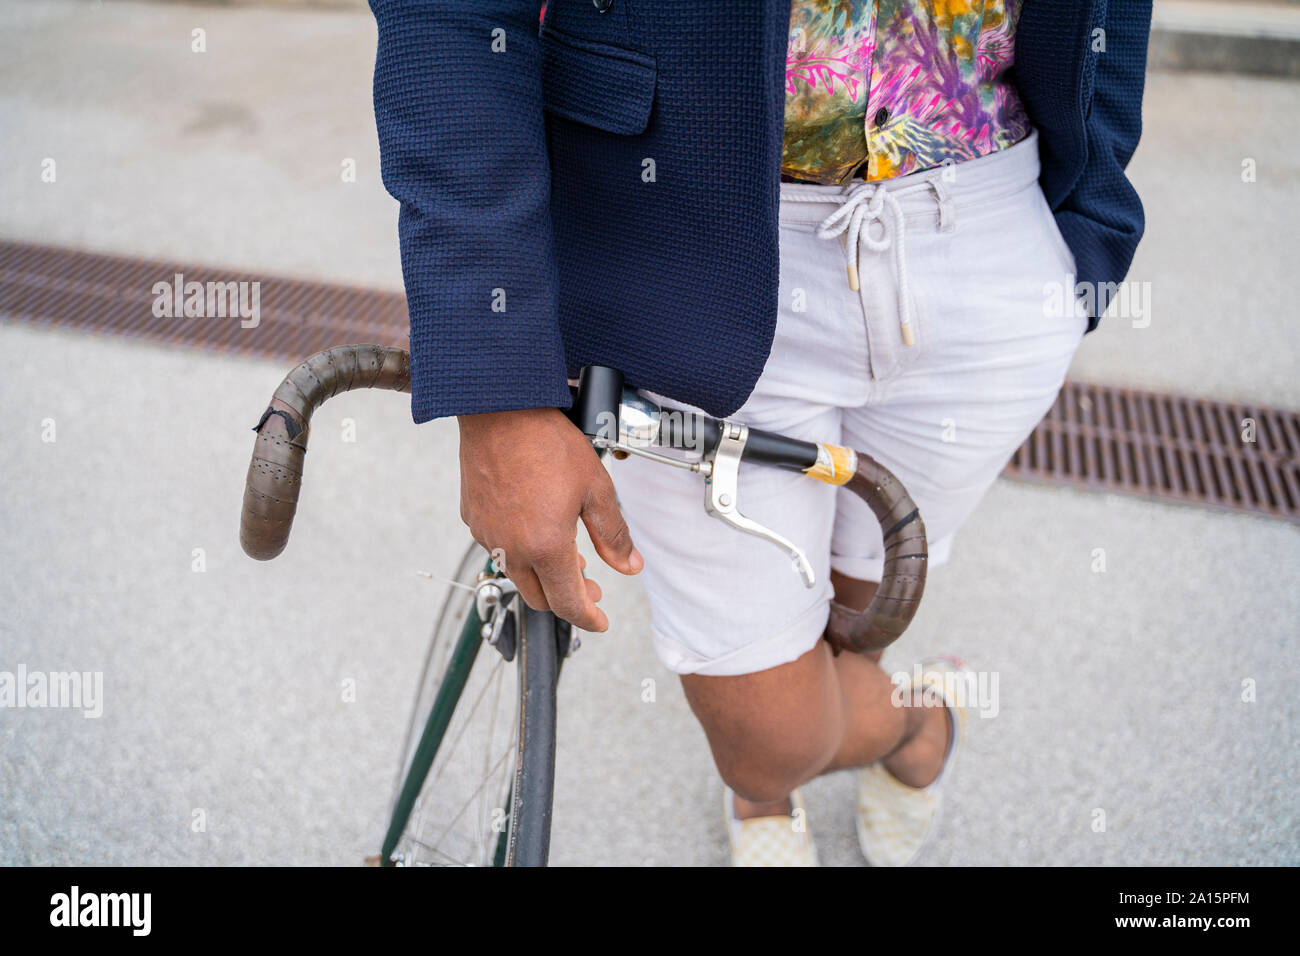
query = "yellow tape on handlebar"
{"x": 835, "y": 464}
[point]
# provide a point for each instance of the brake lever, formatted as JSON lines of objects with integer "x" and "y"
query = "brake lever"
{"x": 721, "y": 491}
{"x": 640, "y": 428}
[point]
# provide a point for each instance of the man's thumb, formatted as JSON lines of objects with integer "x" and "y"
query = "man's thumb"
{"x": 610, "y": 534}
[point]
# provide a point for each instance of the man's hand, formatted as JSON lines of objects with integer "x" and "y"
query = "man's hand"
{"x": 526, "y": 478}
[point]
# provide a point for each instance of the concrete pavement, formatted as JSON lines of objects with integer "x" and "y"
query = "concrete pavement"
{"x": 1119, "y": 691}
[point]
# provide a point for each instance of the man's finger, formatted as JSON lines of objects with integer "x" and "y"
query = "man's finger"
{"x": 566, "y": 589}
{"x": 529, "y": 588}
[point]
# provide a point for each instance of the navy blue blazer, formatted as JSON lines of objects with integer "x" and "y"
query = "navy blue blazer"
{"x": 605, "y": 191}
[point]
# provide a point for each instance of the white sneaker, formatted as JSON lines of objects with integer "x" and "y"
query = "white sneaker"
{"x": 782, "y": 840}
{"x": 895, "y": 821}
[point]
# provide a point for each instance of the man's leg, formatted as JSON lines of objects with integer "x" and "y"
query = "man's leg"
{"x": 917, "y": 757}
{"x": 773, "y": 730}
{"x": 944, "y": 416}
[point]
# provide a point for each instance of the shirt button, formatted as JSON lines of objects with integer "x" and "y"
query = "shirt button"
{"x": 602, "y": 6}
{"x": 882, "y": 117}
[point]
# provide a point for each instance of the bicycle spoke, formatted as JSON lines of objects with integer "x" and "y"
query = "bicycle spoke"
{"x": 491, "y": 735}
{"x": 492, "y": 689}
{"x": 442, "y": 853}
{"x": 498, "y": 670}
{"x": 477, "y": 789}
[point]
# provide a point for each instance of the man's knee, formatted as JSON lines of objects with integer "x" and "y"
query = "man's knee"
{"x": 773, "y": 730}
{"x": 762, "y": 773}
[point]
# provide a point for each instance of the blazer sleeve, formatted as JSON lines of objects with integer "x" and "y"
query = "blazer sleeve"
{"x": 462, "y": 138}
{"x": 1102, "y": 218}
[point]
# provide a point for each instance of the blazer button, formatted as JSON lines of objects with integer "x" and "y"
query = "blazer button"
{"x": 602, "y": 6}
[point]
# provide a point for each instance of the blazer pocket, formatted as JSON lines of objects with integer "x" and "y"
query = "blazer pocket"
{"x": 608, "y": 87}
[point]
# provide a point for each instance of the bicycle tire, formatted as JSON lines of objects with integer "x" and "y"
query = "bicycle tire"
{"x": 538, "y": 658}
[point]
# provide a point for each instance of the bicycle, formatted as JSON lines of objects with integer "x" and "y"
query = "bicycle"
{"x": 464, "y": 749}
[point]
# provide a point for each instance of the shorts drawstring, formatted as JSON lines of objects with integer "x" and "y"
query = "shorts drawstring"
{"x": 865, "y": 203}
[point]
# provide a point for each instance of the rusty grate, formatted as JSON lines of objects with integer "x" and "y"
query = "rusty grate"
{"x": 1221, "y": 454}
{"x": 115, "y": 294}
{"x": 1098, "y": 437}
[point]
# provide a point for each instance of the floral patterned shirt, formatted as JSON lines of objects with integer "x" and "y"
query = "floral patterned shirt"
{"x": 883, "y": 88}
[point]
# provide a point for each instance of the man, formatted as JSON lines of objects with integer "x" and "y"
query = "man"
{"x": 836, "y": 220}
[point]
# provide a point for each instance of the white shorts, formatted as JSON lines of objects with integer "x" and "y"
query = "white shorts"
{"x": 981, "y": 272}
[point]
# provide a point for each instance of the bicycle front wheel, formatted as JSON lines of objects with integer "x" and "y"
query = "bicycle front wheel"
{"x": 477, "y": 772}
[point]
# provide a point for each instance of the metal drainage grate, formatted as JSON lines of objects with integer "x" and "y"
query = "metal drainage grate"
{"x": 1236, "y": 456}
{"x": 114, "y": 294}
{"x": 1095, "y": 436}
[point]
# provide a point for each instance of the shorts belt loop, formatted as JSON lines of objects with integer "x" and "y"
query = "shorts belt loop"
{"x": 947, "y": 208}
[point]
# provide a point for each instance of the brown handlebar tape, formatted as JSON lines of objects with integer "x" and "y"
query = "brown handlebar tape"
{"x": 275, "y": 479}
{"x": 275, "y": 473}
{"x": 902, "y": 581}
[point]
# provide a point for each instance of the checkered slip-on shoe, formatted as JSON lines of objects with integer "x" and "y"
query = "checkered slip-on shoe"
{"x": 895, "y": 821}
{"x": 783, "y": 840}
